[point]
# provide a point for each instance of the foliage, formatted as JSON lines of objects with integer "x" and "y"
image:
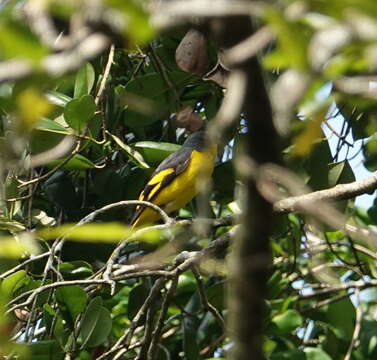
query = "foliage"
{"x": 75, "y": 138}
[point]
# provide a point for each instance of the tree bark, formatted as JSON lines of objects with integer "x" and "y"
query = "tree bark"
{"x": 251, "y": 258}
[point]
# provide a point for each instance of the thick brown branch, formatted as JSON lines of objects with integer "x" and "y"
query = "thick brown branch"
{"x": 252, "y": 256}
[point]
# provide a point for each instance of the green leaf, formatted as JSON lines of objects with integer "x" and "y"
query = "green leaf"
{"x": 317, "y": 165}
{"x": 147, "y": 98}
{"x": 60, "y": 190}
{"x": 78, "y": 112}
{"x": 360, "y": 113}
{"x": 136, "y": 299}
{"x": 224, "y": 182}
{"x": 186, "y": 284}
{"x": 190, "y": 341}
{"x": 84, "y": 81}
{"x": 75, "y": 269}
{"x": 52, "y": 126}
{"x": 14, "y": 282}
{"x": 44, "y": 350}
{"x": 58, "y": 98}
{"x": 95, "y": 232}
{"x": 340, "y": 173}
{"x": 342, "y": 325}
{"x": 154, "y": 152}
{"x": 287, "y": 322}
{"x": 46, "y": 135}
{"x": 216, "y": 295}
{"x": 289, "y": 355}
{"x": 96, "y": 324}
{"x": 17, "y": 41}
{"x": 77, "y": 162}
{"x": 370, "y": 153}
{"x": 133, "y": 155}
{"x": 316, "y": 354}
{"x": 73, "y": 299}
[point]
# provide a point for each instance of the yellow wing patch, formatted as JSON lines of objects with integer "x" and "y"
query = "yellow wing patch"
{"x": 156, "y": 181}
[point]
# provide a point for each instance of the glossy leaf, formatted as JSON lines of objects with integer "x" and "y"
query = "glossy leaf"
{"x": 84, "y": 80}
{"x": 154, "y": 152}
{"x": 287, "y": 322}
{"x": 79, "y": 111}
{"x": 136, "y": 299}
{"x": 46, "y": 135}
{"x": 370, "y": 153}
{"x": 96, "y": 324}
{"x": 58, "y": 98}
{"x": 75, "y": 269}
{"x": 45, "y": 350}
{"x": 134, "y": 155}
{"x": 72, "y": 299}
{"x": 316, "y": 354}
{"x": 77, "y": 162}
{"x": 14, "y": 282}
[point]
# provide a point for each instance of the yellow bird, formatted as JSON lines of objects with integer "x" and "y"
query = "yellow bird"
{"x": 178, "y": 179}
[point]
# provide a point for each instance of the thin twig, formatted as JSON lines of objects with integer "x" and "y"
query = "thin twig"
{"x": 105, "y": 75}
{"x": 23, "y": 264}
{"x": 357, "y": 328}
{"x": 32, "y": 294}
{"x": 75, "y": 151}
{"x": 207, "y": 306}
{"x": 123, "y": 342}
{"x": 160, "y": 322}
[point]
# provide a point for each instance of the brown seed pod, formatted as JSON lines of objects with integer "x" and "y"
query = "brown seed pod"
{"x": 219, "y": 73}
{"x": 191, "y": 54}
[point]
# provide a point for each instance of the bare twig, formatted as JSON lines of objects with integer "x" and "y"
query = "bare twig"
{"x": 360, "y": 284}
{"x": 106, "y": 74}
{"x": 207, "y": 306}
{"x": 32, "y": 294}
{"x": 160, "y": 322}
{"x": 357, "y": 328}
{"x": 326, "y": 302}
{"x": 75, "y": 151}
{"x": 124, "y": 341}
{"x": 90, "y": 217}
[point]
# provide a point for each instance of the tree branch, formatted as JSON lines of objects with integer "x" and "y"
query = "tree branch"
{"x": 336, "y": 193}
{"x": 251, "y": 259}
